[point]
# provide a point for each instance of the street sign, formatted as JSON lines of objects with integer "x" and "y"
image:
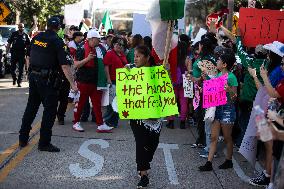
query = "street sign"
{"x": 4, "y": 11}
{"x": 213, "y": 17}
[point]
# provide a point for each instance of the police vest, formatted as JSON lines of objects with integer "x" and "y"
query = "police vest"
{"x": 44, "y": 51}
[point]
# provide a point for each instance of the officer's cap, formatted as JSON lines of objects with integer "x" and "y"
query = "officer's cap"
{"x": 53, "y": 22}
{"x": 93, "y": 33}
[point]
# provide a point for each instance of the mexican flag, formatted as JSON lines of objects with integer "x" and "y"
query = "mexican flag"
{"x": 106, "y": 23}
{"x": 160, "y": 12}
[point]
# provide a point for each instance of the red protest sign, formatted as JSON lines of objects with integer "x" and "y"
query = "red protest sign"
{"x": 261, "y": 26}
{"x": 214, "y": 17}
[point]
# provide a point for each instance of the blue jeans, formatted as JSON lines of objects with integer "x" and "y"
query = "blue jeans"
{"x": 208, "y": 126}
{"x": 111, "y": 117}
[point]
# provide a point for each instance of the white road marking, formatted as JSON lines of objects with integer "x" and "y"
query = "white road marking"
{"x": 169, "y": 161}
{"x": 240, "y": 172}
{"x": 7, "y": 132}
{"x": 98, "y": 160}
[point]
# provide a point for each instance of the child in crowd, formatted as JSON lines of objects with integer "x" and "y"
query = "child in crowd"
{"x": 225, "y": 115}
{"x": 146, "y": 132}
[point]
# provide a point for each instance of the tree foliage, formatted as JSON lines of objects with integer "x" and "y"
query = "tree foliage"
{"x": 42, "y": 9}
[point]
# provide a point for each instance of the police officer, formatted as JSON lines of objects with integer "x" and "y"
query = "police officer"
{"x": 63, "y": 94}
{"x": 19, "y": 41}
{"x": 47, "y": 55}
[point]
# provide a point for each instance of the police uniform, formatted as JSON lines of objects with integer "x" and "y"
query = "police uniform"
{"x": 63, "y": 95}
{"x": 47, "y": 54}
{"x": 19, "y": 44}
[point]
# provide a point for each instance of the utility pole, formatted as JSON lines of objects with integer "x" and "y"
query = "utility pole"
{"x": 231, "y": 14}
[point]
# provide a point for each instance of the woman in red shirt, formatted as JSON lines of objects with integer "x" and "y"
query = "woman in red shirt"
{"x": 113, "y": 60}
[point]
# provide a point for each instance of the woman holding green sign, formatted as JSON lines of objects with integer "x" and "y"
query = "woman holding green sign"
{"x": 146, "y": 132}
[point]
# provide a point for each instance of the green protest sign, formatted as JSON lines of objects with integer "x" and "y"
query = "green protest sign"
{"x": 144, "y": 93}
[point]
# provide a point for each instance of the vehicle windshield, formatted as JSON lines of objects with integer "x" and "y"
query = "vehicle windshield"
{"x": 5, "y": 32}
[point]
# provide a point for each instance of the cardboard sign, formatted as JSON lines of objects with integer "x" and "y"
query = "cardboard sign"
{"x": 207, "y": 67}
{"x": 196, "y": 99}
{"x": 200, "y": 33}
{"x": 214, "y": 93}
{"x": 187, "y": 87}
{"x": 144, "y": 93}
{"x": 213, "y": 17}
{"x": 73, "y": 13}
{"x": 261, "y": 26}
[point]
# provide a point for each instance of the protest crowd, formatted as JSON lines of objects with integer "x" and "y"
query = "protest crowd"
{"x": 245, "y": 112}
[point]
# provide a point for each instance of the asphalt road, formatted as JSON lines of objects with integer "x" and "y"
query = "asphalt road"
{"x": 103, "y": 161}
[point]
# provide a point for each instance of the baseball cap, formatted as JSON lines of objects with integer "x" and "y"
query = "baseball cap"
{"x": 260, "y": 49}
{"x": 276, "y": 47}
{"x": 53, "y": 22}
{"x": 93, "y": 33}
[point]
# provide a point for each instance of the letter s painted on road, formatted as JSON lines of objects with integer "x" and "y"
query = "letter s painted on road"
{"x": 98, "y": 160}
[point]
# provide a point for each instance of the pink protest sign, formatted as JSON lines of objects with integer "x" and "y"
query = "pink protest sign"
{"x": 214, "y": 93}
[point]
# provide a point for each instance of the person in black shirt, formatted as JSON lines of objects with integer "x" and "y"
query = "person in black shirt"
{"x": 47, "y": 55}
{"x": 19, "y": 41}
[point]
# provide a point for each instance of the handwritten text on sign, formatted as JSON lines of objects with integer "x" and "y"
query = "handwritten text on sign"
{"x": 261, "y": 26}
{"x": 187, "y": 87}
{"x": 214, "y": 93}
{"x": 144, "y": 93}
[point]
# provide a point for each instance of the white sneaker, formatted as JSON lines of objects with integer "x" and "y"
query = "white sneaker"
{"x": 104, "y": 129}
{"x": 77, "y": 127}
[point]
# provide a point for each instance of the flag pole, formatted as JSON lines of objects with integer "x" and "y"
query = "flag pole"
{"x": 168, "y": 44}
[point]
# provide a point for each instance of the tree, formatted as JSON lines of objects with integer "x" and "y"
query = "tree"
{"x": 36, "y": 10}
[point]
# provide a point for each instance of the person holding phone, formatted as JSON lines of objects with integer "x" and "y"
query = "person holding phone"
{"x": 249, "y": 88}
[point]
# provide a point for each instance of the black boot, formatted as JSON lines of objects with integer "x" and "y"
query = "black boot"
{"x": 144, "y": 181}
{"x": 49, "y": 148}
{"x": 226, "y": 165}
{"x": 206, "y": 167}
{"x": 60, "y": 120}
{"x": 22, "y": 143}
{"x": 182, "y": 125}
{"x": 170, "y": 124}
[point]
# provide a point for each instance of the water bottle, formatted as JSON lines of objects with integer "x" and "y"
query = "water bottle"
{"x": 262, "y": 125}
